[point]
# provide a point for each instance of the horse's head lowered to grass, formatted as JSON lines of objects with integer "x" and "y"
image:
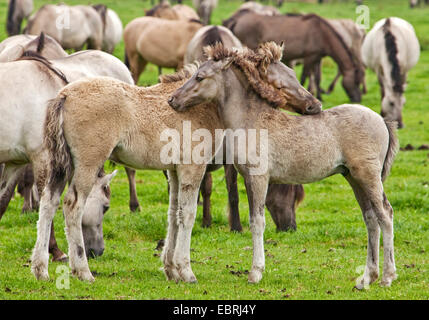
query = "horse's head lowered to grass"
{"x": 265, "y": 74}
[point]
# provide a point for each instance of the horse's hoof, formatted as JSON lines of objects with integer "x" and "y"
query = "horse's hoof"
{"x": 255, "y": 276}
{"x": 187, "y": 275}
{"x": 84, "y": 275}
{"x": 40, "y": 273}
{"x": 61, "y": 258}
{"x": 172, "y": 274}
{"x": 135, "y": 208}
{"x": 387, "y": 280}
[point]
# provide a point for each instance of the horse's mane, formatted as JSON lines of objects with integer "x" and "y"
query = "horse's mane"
{"x": 231, "y": 22}
{"x": 392, "y": 53}
{"x": 254, "y": 65}
{"x": 10, "y": 14}
{"x": 35, "y": 56}
{"x": 337, "y": 35}
{"x": 185, "y": 73}
{"x": 211, "y": 37}
{"x": 151, "y": 12}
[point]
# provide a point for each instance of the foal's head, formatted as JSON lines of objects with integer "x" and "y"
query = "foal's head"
{"x": 96, "y": 206}
{"x": 265, "y": 74}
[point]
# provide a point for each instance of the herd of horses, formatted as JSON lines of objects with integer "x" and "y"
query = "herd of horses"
{"x": 64, "y": 115}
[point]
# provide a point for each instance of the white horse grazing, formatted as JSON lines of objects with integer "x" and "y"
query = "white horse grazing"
{"x": 391, "y": 49}
{"x": 71, "y": 26}
{"x": 205, "y": 9}
{"x": 27, "y": 85}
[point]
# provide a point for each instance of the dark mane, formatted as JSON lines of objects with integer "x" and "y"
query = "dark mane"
{"x": 291, "y": 14}
{"x": 151, "y": 12}
{"x": 337, "y": 35}
{"x": 392, "y": 53}
{"x": 35, "y": 56}
{"x": 10, "y": 13}
{"x": 211, "y": 37}
{"x": 231, "y": 22}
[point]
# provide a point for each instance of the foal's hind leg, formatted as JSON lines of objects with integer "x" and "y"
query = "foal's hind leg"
{"x": 372, "y": 186}
{"x": 74, "y": 204}
{"x": 371, "y": 269}
{"x": 170, "y": 241}
{"x": 206, "y": 191}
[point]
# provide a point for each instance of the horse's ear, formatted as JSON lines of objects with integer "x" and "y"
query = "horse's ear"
{"x": 108, "y": 177}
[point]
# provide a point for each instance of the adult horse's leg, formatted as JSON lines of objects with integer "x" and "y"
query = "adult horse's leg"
{"x": 170, "y": 241}
{"x": 189, "y": 178}
{"x": 134, "y": 201}
{"x": 136, "y": 66}
{"x": 27, "y": 188}
{"x": 206, "y": 191}
{"x": 233, "y": 198}
{"x": 8, "y": 182}
{"x": 371, "y": 270}
{"x": 256, "y": 187}
{"x": 57, "y": 254}
{"x": 49, "y": 203}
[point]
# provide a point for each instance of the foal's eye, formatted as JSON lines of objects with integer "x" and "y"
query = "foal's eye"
{"x": 199, "y": 79}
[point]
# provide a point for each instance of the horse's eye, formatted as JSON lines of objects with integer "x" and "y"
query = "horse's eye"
{"x": 199, "y": 79}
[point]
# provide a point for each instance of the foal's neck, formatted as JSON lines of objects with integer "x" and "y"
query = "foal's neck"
{"x": 239, "y": 104}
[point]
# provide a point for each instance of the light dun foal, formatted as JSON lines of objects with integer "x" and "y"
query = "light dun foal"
{"x": 348, "y": 139}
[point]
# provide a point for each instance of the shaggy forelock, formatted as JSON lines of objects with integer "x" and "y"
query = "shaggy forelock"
{"x": 254, "y": 65}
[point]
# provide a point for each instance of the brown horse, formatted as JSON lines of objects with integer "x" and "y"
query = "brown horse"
{"x": 159, "y": 41}
{"x": 307, "y": 37}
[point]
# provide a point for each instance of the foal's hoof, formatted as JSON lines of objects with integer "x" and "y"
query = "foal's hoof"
{"x": 255, "y": 276}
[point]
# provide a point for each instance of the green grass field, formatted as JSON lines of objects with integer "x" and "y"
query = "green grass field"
{"x": 321, "y": 260}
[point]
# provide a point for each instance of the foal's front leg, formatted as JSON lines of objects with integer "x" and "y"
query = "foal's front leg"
{"x": 256, "y": 187}
{"x": 170, "y": 241}
{"x": 189, "y": 178}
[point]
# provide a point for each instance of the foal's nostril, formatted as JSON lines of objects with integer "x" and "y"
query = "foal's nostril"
{"x": 170, "y": 100}
{"x": 314, "y": 108}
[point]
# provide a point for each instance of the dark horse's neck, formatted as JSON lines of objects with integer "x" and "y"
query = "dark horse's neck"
{"x": 334, "y": 45}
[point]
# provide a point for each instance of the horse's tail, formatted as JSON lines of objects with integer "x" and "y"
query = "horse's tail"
{"x": 392, "y": 150}
{"x": 60, "y": 159}
{"x": 299, "y": 194}
{"x": 126, "y": 61}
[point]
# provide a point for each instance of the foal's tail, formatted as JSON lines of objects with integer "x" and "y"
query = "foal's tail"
{"x": 60, "y": 159}
{"x": 392, "y": 150}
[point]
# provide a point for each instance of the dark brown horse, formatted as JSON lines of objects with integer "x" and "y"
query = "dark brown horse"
{"x": 307, "y": 37}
